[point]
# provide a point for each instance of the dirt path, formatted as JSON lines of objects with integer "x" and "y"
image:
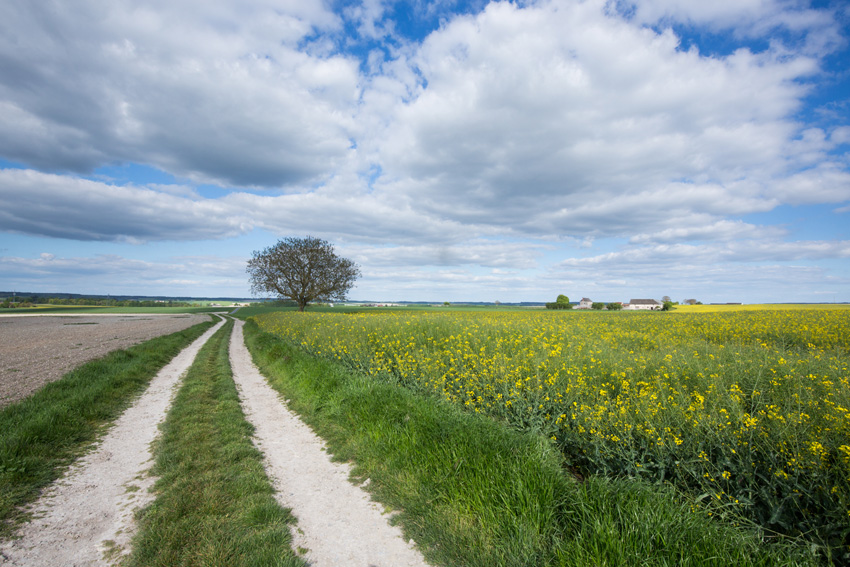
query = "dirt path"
{"x": 86, "y": 518}
{"x": 89, "y": 511}
{"x": 337, "y": 521}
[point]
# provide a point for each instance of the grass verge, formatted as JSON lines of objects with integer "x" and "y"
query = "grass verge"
{"x": 214, "y": 503}
{"x": 44, "y": 433}
{"x": 473, "y": 492}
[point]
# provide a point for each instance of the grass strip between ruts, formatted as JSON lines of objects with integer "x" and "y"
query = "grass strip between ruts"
{"x": 42, "y": 434}
{"x": 473, "y": 492}
{"x": 214, "y": 504}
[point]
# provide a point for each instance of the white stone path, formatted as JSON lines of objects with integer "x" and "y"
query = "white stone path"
{"x": 337, "y": 521}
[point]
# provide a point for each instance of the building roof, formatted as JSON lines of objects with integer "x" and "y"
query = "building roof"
{"x": 643, "y": 302}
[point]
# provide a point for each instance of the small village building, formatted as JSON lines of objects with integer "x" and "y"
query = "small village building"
{"x": 643, "y": 304}
{"x": 585, "y": 303}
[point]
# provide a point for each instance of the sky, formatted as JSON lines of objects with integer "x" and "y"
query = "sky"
{"x": 456, "y": 150}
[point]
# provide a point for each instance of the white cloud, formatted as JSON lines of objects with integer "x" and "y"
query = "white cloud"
{"x": 109, "y": 273}
{"x": 828, "y": 182}
{"x": 449, "y": 284}
{"x": 840, "y": 135}
{"x": 217, "y": 91}
{"x": 78, "y": 209}
{"x": 748, "y": 251}
{"x": 543, "y": 131}
{"x": 516, "y": 256}
{"x": 717, "y": 231}
{"x": 747, "y": 271}
{"x": 510, "y": 138}
{"x": 746, "y": 18}
{"x": 60, "y": 206}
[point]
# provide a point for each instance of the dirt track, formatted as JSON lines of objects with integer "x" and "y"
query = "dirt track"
{"x": 36, "y": 350}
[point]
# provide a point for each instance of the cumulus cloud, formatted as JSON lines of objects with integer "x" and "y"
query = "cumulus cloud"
{"x": 747, "y": 271}
{"x": 65, "y": 207}
{"x": 717, "y": 231}
{"x": 443, "y": 284}
{"x": 750, "y": 251}
{"x": 61, "y": 206}
{"x": 529, "y": 130}
{"x": 218, "y": 92}
{"x": 191, "y": 276}
{"x": 514, "y": 135}
{"x": 496, "y": 255}
{"x": 813, "y": 31}
{"x": 828, "y": 182}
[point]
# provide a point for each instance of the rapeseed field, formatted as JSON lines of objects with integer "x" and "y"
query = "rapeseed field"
{"x": 746, "y": 409}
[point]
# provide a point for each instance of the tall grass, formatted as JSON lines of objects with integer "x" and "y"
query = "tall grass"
{"x": 747, "y": 410}
{"x": 214, "y": 503}
{"x": 473, "y": 492}
{"x": 41, "y": 435}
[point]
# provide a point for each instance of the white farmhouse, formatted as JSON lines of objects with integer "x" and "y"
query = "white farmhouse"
{"x": 643, "y": 304}
{"x": 585, "y": 303}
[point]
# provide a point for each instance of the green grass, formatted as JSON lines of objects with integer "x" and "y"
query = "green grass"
{"x": 43, "y": 434}
{"x": 41, "y": 309}
{"x": 473, "y": 491}
{"x": 251, "y": 310}
{"x": 214, "y": 504}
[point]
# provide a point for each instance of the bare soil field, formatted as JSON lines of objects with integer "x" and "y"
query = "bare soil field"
{"x": 38, "y": 349}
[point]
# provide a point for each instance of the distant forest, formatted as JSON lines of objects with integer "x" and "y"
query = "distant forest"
{"x": 15, "y": 300}
{"x": 29, "y": 298}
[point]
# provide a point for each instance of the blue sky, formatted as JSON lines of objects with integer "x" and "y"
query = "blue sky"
{"x": 457, "y": 151}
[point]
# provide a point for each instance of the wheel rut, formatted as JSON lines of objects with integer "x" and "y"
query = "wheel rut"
{"x": 337, "y": 522}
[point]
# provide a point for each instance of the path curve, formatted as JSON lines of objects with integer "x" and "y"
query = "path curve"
{"x": 89, "y": 511}
{"x": 337, "y": 522}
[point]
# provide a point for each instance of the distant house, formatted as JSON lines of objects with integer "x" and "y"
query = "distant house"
{"x": 585, "y": 303}
{"x": 690, "y": 302}
{"x": 643, "y": 304}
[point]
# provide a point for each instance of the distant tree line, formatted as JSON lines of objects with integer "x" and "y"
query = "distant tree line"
{"x": 13, "y": 302}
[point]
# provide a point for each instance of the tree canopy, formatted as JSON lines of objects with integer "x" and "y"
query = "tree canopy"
{"x": 562, "y": 302}
{"x": 303, "y": 270}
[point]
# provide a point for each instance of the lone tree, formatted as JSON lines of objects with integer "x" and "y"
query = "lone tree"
{"x": 303, "y": 270}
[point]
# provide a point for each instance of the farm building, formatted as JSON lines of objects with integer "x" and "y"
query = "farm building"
{"x": 585, "y": 303}
{"x": 643, "y": 304}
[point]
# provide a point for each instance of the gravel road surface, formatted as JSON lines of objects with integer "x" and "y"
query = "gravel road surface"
{"x": 338, "y": 523}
